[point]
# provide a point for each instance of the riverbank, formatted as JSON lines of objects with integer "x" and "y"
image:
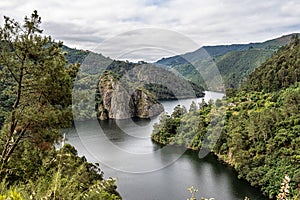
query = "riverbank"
{"x": 227, "y": 161}
{"x": 259, "y": 133}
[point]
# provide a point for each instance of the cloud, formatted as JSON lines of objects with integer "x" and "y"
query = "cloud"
{"x": 148, "y": 44}
{"x": 85, "y": 24}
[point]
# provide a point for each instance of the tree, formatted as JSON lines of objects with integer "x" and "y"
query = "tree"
{"x": 178, "y": 111}
{"x": 193, "y": 107}
{"x": 35, "y": 68}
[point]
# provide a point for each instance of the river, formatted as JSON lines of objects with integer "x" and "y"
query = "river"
{"x": 145, "y": 171}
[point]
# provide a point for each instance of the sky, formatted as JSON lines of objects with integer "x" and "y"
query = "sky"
{"x": 86, "y": 24}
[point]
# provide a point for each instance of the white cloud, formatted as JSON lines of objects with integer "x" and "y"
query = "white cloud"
{"x": 85, "y": 24}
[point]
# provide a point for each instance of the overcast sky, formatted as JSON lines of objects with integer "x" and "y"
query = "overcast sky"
{"x": 85, "y": 24}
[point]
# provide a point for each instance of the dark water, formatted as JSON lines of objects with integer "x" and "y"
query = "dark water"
{"x": 146, "y": 171}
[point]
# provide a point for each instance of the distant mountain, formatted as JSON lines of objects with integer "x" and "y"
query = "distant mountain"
{"x": 235, "y": 62}
{"x": 94, "y": 64}
{"x": 201, "y": 53}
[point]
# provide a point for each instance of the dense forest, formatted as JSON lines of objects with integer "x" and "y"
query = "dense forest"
{"x": 260, "y": 126}
{"x": 279, "y": 72}
{"x": 36, "y": 85}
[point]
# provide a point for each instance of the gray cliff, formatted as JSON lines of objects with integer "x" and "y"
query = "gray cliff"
{"x": 121, "y": 100}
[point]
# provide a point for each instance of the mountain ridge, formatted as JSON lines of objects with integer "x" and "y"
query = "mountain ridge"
{"x": 225, "y": 48}
{"x": 233, "y": 63}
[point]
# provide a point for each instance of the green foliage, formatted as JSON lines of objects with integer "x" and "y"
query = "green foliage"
{"x": 38, "y": 92}
{"x": 183, "y": 128}
{"x": 280, "y": 71}
{"x": 12, "y": 195}
{"x": 165, "y": 84}
{"x": 75, "y": 56}
{"x": 260, "y": 138}
{"x": 235, "y": 67}
{"x": 36, "y": 87}
{"x": 58, "y": 174}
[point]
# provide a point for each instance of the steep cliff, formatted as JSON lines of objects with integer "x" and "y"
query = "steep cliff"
{"x": 121, "y": 100}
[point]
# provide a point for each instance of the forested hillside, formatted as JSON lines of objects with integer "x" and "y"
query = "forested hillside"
{"x": 279, "y": 72}
{"x": 260, "y": 129}
{"x": 235, "y": 62}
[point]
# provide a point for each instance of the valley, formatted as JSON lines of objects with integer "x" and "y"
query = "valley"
{"x": 76, "y": 124}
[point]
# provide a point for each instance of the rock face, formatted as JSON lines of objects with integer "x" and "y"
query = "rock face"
{"x": 121, "y": 101}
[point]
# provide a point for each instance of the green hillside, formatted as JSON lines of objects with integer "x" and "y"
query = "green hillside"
{"x": 74, "y": 55}
{"x": 236, "y": 66}
{"x": 260, "y": 125}
{"x": 278, "y": 72}
{"x": 235, "y": 62}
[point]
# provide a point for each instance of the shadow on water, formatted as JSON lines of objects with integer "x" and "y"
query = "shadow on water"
{"x": 218, "y": 179}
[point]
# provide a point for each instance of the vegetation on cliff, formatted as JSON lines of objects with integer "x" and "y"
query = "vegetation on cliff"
{"x": 121, "y": 99}
{"x": 122, "y": 82}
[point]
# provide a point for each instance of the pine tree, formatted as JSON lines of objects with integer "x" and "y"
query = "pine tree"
{"x": 34, "y": 68}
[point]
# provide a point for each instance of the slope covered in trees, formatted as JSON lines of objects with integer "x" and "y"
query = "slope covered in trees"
{"x": 278, "y": 72}
{"x": 260, "y": 129}
{"x": 235, "y": 62}
{"x": 36, "y": 85}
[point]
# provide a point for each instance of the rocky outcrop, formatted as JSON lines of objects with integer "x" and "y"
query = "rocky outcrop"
{"x": 120, "y": 100}
{"x": 165, "y": 84}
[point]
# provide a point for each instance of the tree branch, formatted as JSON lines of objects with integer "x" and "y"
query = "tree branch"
{"x": 14, "y": 145}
